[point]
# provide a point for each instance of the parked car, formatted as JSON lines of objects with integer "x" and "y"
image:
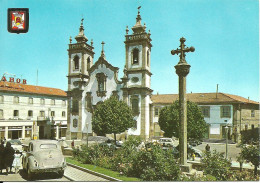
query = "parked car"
{"x": 43, "y": 156}
{"x": 166, "y": 141}
{"x": 190, "y": 150}
{"x": 111, "y": 144}
{"x": 16, "y": 144}
{"x": 194, "y": 142}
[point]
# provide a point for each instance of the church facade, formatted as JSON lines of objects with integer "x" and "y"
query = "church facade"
{"x": 91, "y": 83}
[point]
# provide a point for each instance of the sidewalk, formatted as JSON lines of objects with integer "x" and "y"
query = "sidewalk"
{"x": 78, "y": 175}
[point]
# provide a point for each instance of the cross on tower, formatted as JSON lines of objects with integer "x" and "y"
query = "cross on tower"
{"x": 182, "y": 50}
{"x": 103, "y": 52}
{"x": 139, "y": 9}
{"x": 82, "y": 21}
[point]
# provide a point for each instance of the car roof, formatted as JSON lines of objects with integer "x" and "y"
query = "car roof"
{"x": 44, "y": 141}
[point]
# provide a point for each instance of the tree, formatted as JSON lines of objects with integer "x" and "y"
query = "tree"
{"x": 216, "y": 165}
{"x": 112, "y": 116}
{"x": 169, "y": 121}
{"x": 251, "y": 154}
{"x": 250, "y": 136}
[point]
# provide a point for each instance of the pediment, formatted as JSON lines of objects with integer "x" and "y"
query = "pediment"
{"x": 103, "y": 61}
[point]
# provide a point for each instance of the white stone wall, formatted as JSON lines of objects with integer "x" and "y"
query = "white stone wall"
{"x": 111, "y": 85}
{"x": 8, "y": 106}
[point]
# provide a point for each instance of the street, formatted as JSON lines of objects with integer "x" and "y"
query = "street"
{"x": 21, "y": 176}
{"x": 233, "y": 151}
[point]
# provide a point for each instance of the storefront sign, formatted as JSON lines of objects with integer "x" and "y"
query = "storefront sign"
{"x": 12, "y": 80}
{"x": 14, "y": 127}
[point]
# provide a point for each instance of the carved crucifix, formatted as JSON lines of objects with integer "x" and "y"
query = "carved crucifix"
{"x": 182, "y": 50}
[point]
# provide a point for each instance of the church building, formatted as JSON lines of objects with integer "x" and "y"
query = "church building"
{"x": 91, "y": 83}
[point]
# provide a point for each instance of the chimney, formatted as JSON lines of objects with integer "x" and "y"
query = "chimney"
{"x": 248, "y": 99}
{"x": 217, "y": 92}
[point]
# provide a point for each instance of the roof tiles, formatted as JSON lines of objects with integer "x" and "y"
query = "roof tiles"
{"x": 202, "y": 98}
{"x": 32, "y": 89}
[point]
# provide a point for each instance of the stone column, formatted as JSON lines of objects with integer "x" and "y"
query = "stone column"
{"x": 57, "y": 132}
{"x": 182, "y": 70}
{"x": 6, "y": 132}
{"x": 23, "y": 132}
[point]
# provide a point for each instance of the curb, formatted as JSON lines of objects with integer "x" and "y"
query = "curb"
{"x": 93, "y": 173}
{"x": 70, "y": 179}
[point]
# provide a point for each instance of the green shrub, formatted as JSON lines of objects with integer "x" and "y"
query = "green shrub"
{"x": 243, "y": 176}
{"x": 154, "y": 164}
{"x": 216, "y": 165}
{"x": 93, "y": 154}
{"x": 193, "y": 178}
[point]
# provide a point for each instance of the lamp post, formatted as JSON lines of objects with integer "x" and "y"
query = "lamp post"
{"x": 226, "y": 130}
{"x": 87, "y": 133}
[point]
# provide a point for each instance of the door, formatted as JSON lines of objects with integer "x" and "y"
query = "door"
{"x": 41, "y": 132}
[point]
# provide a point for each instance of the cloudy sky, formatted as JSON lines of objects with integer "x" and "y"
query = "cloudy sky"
{"x": 225, "y": 34}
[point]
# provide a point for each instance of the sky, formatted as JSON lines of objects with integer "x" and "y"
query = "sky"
{"x": 225, "y": 34}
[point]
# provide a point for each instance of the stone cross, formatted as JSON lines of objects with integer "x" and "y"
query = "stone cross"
{"x": 182, "y": 50}
{"x": 82, "y": 21}
{"x": 182, "y": 69}
{"x": 103, "y": 52}
{"x": 139, "y": 9}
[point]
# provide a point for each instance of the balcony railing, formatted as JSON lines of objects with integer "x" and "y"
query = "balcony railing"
{"x": 42, "y": 118}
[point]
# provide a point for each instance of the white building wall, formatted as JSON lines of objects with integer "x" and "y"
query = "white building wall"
{"x": 8, "y": 106}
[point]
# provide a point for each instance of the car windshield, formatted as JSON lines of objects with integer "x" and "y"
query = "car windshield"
{"x": 165, "y": 140}
{"x": 48, "y": 146}
{"x": 15, "y": 142}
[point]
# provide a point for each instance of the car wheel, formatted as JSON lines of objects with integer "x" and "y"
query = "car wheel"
{"x": 29, "y": 173}
{"x": 61, "y": 173}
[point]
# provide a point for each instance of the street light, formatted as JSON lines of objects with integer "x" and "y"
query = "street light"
{"x": 226, "y": 130}
{"x": 87, "y": 133}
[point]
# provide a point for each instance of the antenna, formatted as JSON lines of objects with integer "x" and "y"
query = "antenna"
{"x": 37, "y": 78}
{"x": 217, "y": 92}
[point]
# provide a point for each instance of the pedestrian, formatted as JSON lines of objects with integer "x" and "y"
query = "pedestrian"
{"x": 72, "y": 144}
{"x": 17, "y": 160}
{"x": 207, "y": 148}
{"x": 2, "y": 158}
{"x": 193, "y": 156}
{"x": 9, "y": 156}
{"x": 4, "y": 139}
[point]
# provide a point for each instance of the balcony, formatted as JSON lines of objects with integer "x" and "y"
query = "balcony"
{"x": 42, "y": 118}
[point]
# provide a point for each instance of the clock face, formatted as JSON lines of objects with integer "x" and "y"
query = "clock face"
{"x": 135, "y": 79}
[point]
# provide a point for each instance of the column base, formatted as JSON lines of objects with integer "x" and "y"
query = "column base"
{"x": 186, "y": 168}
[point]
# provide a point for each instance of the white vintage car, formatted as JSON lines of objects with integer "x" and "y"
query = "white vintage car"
{"x": 43, "y": 156}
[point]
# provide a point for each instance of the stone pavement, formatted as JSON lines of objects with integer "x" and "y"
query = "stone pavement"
{"x": 79, "y": 175}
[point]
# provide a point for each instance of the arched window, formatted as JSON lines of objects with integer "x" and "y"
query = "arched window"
{"x": 76, "y": 62}
{"x": 75, "y": 106}
{"x": 88, "y": 60}
{"x": 1, "y": 113}
{"x": 1, "y": 98}
{"x": 75, "y": 123}
{"x": 148, "y": 58}
{"x": 101, "y": 79}
{"x": 135, "y": 104}
{"x": 135, "y": 56}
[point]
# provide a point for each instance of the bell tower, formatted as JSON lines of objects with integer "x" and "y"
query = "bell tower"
{"x": 136, "y": 90}
{"x": 81, "y": 56}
